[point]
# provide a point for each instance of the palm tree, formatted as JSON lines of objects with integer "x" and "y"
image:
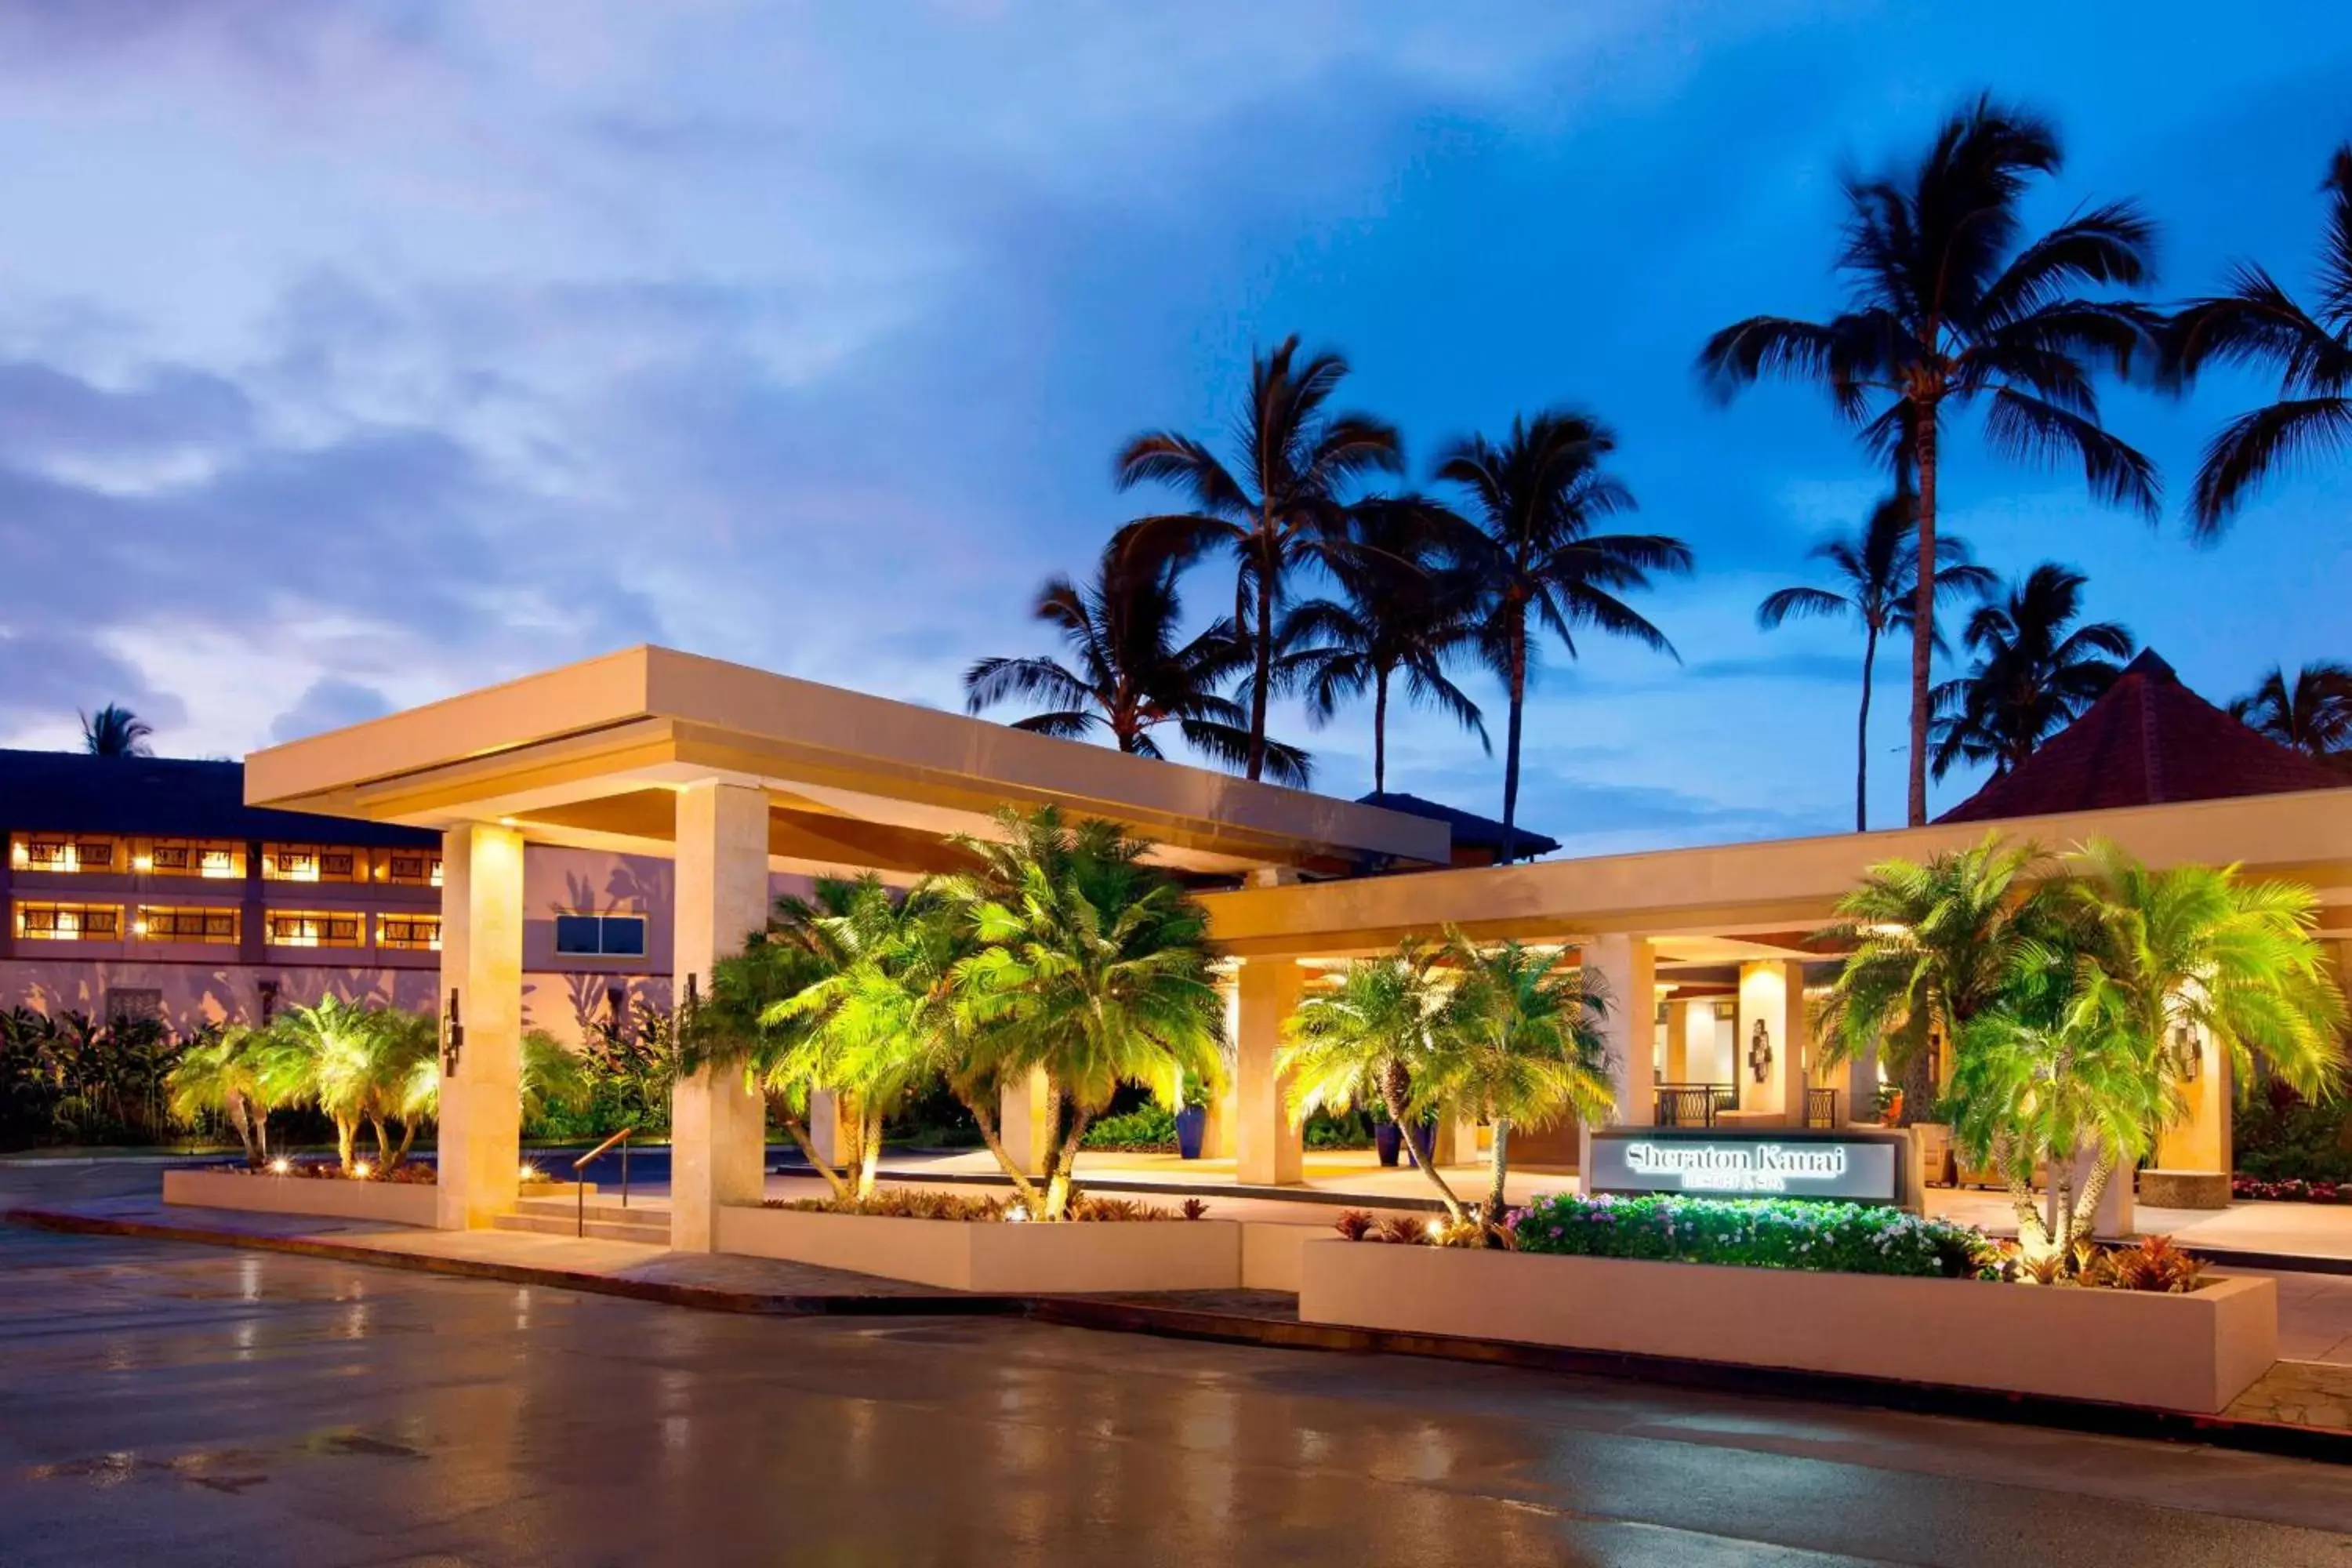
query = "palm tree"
{"x": 329, "y": 1056}
{"x": 871, "y": 1019}
{"x": 1404, "y": 610}
{"x": 1537, "y": 498}
{"x": 1874, "y": 571}
{"x": 1361, "y": 1043}
{"x": 1132, "y": 675}
{"x": 2032, "y": 675}
{"x": 1947, "y": 309}
{"x": 2198, "y": 949}
{"x": 2258, "y": 323}
{"x": 2312, "y": 713}
{"x": 1518, "y": 1042}
{"x": 221, "y": 1075}
{"x": 115, "y": 730}
{"x": 1093, "y": 966}
{"x": 1285, "y": 510}
{"x": 551, "y": 1076}
{"x": 2046, "y": 1074}
{"x": 1928, "y": 947}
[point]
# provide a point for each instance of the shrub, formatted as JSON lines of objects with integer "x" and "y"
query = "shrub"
{"x": 1354, "y": 1224}
{"x": 1151, "y": 1129}
{"x": 2153, "y": 1264}
{"x": 408, "y": 1173}
{"x": 2280, "y": 1138}
{"x": 2291, "y": 1190}
{"x": 900, "y": 1202}
{"x": 1772, "y": 1233}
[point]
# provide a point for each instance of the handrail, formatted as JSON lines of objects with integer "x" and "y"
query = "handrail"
{"x": 579, "y": 1188}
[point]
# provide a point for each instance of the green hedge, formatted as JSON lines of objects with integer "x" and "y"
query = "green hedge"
{"x": 1755, "y": 1233}
{"x": 1147, "y": 1129}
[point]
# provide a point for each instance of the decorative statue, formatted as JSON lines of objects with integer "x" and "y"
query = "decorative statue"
{"x": 1759, "y": 1051}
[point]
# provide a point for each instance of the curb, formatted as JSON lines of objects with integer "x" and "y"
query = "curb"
{"x": 2320, "y": 1445}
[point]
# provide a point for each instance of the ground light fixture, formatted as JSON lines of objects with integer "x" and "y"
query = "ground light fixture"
{"x": 281, "y": 1166}
{"x": 362, "y": 1169}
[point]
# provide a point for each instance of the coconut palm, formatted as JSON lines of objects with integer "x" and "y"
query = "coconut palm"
{"x": 2312, "y": 713}
{"x": 2034, "y": 672}
{"x": 1360, "y": 1044}
{"x": 1404, "y": 610}
{"x": 328, "y": 1055}
{"x": 1873, "y": 571}
{"x": 1094, "y": 967}
{"x": 1537, "y": 565}
{"x": 220, "y": 1075}
{"x": 1929, "y": 946}
{"x": 1947, "y": 310}
{"x": 1129, "y": 675}
{"x": 1519, "y": 1044}
{"x": 115, "y": 730}
{"x": 2258, "y": 323}
{"x": 1284, "y": 510}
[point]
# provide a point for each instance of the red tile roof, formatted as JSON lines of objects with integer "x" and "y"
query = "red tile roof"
{"x": 2147, "y": 740}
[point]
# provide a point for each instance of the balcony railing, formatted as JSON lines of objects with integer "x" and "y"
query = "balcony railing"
{"x": 1693, "y": 1104}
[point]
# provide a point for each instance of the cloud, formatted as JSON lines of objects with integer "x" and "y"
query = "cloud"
{"x": 329, "y": 704}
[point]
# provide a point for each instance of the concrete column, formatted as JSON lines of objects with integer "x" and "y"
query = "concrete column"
{"x": 1682, "y": 1018}
{"x": 718, "y": 1123}
{"x": 1626, "y": 970}
{"x": 481, "y": 960}
{"x": 1024, "y": 1125}
{"x": 1773, "y": 993}
{"x": 2200, "y": 1142}
{"x": 1269, "y": 1150}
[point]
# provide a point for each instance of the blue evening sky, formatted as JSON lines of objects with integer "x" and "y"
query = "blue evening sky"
{"x": 355, "y": 354}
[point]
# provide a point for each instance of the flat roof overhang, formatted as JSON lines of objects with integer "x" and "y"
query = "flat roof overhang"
{"x": 593, "y": 753}
{"x": 1768, "y": 893}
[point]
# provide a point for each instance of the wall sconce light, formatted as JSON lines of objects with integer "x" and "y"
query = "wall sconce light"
{"x": 2186, "y": 1054}
{"x": 453, "y": 1038}
{"x": 1759, "y": 1051}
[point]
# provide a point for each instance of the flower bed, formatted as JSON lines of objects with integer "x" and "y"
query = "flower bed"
{"x": 2290, "y": 1190}
{"x": 2193, "y": 1352}
{"x": 982, "y": 1249}
{"x": 1831, "y": 1237}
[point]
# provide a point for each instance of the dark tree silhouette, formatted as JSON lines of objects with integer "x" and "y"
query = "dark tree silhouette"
{"x": 2034, "y": 672}
{"x": 1873, "y": 571}
{"x": 2255, "y": 322}
{"x": 115, "y": 730}
{"x": 1535, "y": 500}
{"x": 1129, "y": 674}
{"x": 2311, "y": 713}
{"x": 1946, "y": 311}
{"x": 1284, "y": 508}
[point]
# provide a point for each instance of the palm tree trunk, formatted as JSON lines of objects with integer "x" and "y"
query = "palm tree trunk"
{"x": 1861, "y": 742}
{"x": 234, "y": 1104}
{"x": 1263, "y": 636}
{"x": 1511, "y": 742}
{"x": 984, "y": 1118}
{"x": 1379, "y": 732}
{"x": 1393, "y": 1084}
{"x": 1498, "y": 1165}
{"x": 1923, "y": 609}
{"x": 869, "y": 1152}
{"x": 2094, "y": 1187}
{"x": 346, "y": 1130}
{"x": 382, "y": 1144}
{"x": 407, "y": 1137}
{"x": 1063, "y": 1162}
{"x": 799, "y": 1136}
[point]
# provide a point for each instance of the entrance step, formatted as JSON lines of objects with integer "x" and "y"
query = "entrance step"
{"x": 603, "y": 1223}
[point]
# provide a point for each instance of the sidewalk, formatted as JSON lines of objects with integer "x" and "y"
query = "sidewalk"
{"x": 2301, "y": 1408}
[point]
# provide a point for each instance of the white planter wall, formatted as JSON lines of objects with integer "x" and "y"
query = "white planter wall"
{"x": 994, "y": 1256}
{"x": 389, "y": 1202}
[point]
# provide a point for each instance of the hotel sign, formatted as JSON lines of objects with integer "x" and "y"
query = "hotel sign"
{"x": 1764, "y": 1163}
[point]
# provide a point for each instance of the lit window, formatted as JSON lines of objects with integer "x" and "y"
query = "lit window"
{"x": 418, "y": 869}
{"x": 184, "y": 925}
{"x": 409, "y": 933}
{"x": 313, "y": 928}
{"x": 220, "y": 863}
{"x": 601, "y": 936}
{"x": 68, "y": 922}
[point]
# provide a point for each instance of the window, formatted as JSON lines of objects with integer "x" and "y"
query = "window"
{"x": 314, "y": 928}
{"x": 70, "y": 923}
{"x": 313, "y": 863}
{"x": 601, "y": 936}
{"x": 58, "y": 852}
{"x": 409, "y": 933}
{"x": 190, "y": 858}
{"x": 413, "y": 869}
{"x": 186, "y": 925}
